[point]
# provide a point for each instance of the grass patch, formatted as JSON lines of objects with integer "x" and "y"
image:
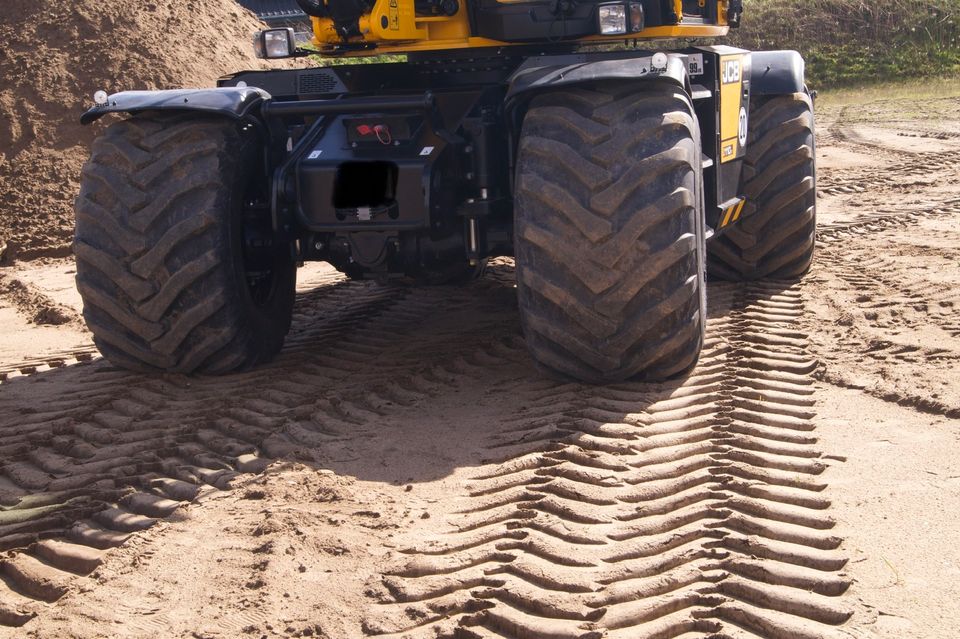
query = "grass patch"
{"x": 856, "y": 41}
{"x": 912, "y": 89}
{"x": 338, "y": 61}
{"x": 373, "y": 59}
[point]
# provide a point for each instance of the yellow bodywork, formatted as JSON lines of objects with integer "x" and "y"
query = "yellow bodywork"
{"x": 731, "y": 83}
{"x": 393, "y": 27}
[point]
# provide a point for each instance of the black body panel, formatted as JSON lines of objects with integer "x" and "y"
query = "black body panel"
{"x": 388, "y": 169}
{"x": 554, "y": 71}
{"x": 556, "y": 21}
{"x": 413, "y": 168}
{"x": 526, "y": 21}
{"x": 777, "y": 72}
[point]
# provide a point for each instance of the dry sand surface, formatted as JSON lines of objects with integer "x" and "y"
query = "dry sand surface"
{"x": 54, "y": 56}
{"x": 402, "y": 470}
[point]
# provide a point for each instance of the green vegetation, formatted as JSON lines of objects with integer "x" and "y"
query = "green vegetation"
{"x": 373, "y": 59}
{"x": 325, "y": 61}
{"x": 852, "y": 41}
{"x": 921, "y": 90}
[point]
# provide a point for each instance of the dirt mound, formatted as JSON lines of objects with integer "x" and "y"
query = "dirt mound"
{"x": 56, "y": 55}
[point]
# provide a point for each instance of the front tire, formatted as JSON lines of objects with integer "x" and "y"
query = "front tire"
{"x": 169, "y": 277}
{"x": 776, "y": 237}
{"x": 609, "y": 232}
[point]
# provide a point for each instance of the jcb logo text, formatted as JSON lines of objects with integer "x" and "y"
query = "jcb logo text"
{"x": 731, "y": 71}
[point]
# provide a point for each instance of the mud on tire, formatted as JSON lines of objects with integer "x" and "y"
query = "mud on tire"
{"x": 776, "y": 237}
{"x": 609, "y": 232}
{"x": 166, "y": 280}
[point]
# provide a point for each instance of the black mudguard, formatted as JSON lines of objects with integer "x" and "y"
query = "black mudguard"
{"x": 777, "y": 73}
{"x": 233, "y": 102}
{"x": 542, "y": 73}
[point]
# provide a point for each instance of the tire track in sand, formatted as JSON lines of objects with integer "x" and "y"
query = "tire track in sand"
{"x": 636, "y": 510}
{"x": 883, "y": 219}
{"x": 95, "y": 465}
{"x": 887, "y": 322}
{"x": 686, "y": 509}
{"x": 48, "y": 362}
{"x": 922, "y": 169}
{"x": 87, "y": 468}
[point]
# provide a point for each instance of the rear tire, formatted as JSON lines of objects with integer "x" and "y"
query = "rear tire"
{"x": 168, "y": 280}
{"x": 609, "y": 232}
{"x": 776, "y": 235}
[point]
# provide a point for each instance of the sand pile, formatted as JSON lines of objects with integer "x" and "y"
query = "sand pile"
{"x": 54, "y": 55}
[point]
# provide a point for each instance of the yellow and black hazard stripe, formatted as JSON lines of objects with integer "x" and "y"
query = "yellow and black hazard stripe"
{"x": 731, "y": 214}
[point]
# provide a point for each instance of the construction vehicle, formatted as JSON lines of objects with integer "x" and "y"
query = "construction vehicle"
{"x": 617, "y": 175}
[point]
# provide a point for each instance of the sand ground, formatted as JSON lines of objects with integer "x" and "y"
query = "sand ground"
{"x": 403, "y": 470}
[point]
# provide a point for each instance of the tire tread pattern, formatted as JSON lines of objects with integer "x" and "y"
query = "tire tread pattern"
{"x": 157, "y": 250}
{"x": 775, "y": 236}
{"x": 609, "y": 236}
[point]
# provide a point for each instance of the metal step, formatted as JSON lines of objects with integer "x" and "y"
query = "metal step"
{"x": 700, "y": 92}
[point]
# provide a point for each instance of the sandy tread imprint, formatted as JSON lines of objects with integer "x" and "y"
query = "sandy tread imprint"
{"x": 634, "y": 510}
{"x": 698, "y": 508}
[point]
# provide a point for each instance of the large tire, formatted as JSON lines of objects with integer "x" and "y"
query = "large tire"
{"x": 609, "y": 232}
{"x": 776, "y": 235}
{"x": 168, "y": 281}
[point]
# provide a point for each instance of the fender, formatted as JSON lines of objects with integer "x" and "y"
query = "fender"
{"x": 777, "y": 73}
{"x": 233, "y": 102}
{"x": 543, "y": 73}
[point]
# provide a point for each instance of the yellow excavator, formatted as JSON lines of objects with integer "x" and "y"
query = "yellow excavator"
{"x": 618, "y": 175}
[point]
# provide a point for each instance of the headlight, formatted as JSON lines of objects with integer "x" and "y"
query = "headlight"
{"x": 612, "y": 18}
{"x": 619, "y": 18}
{"x": 274, "y": 43}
